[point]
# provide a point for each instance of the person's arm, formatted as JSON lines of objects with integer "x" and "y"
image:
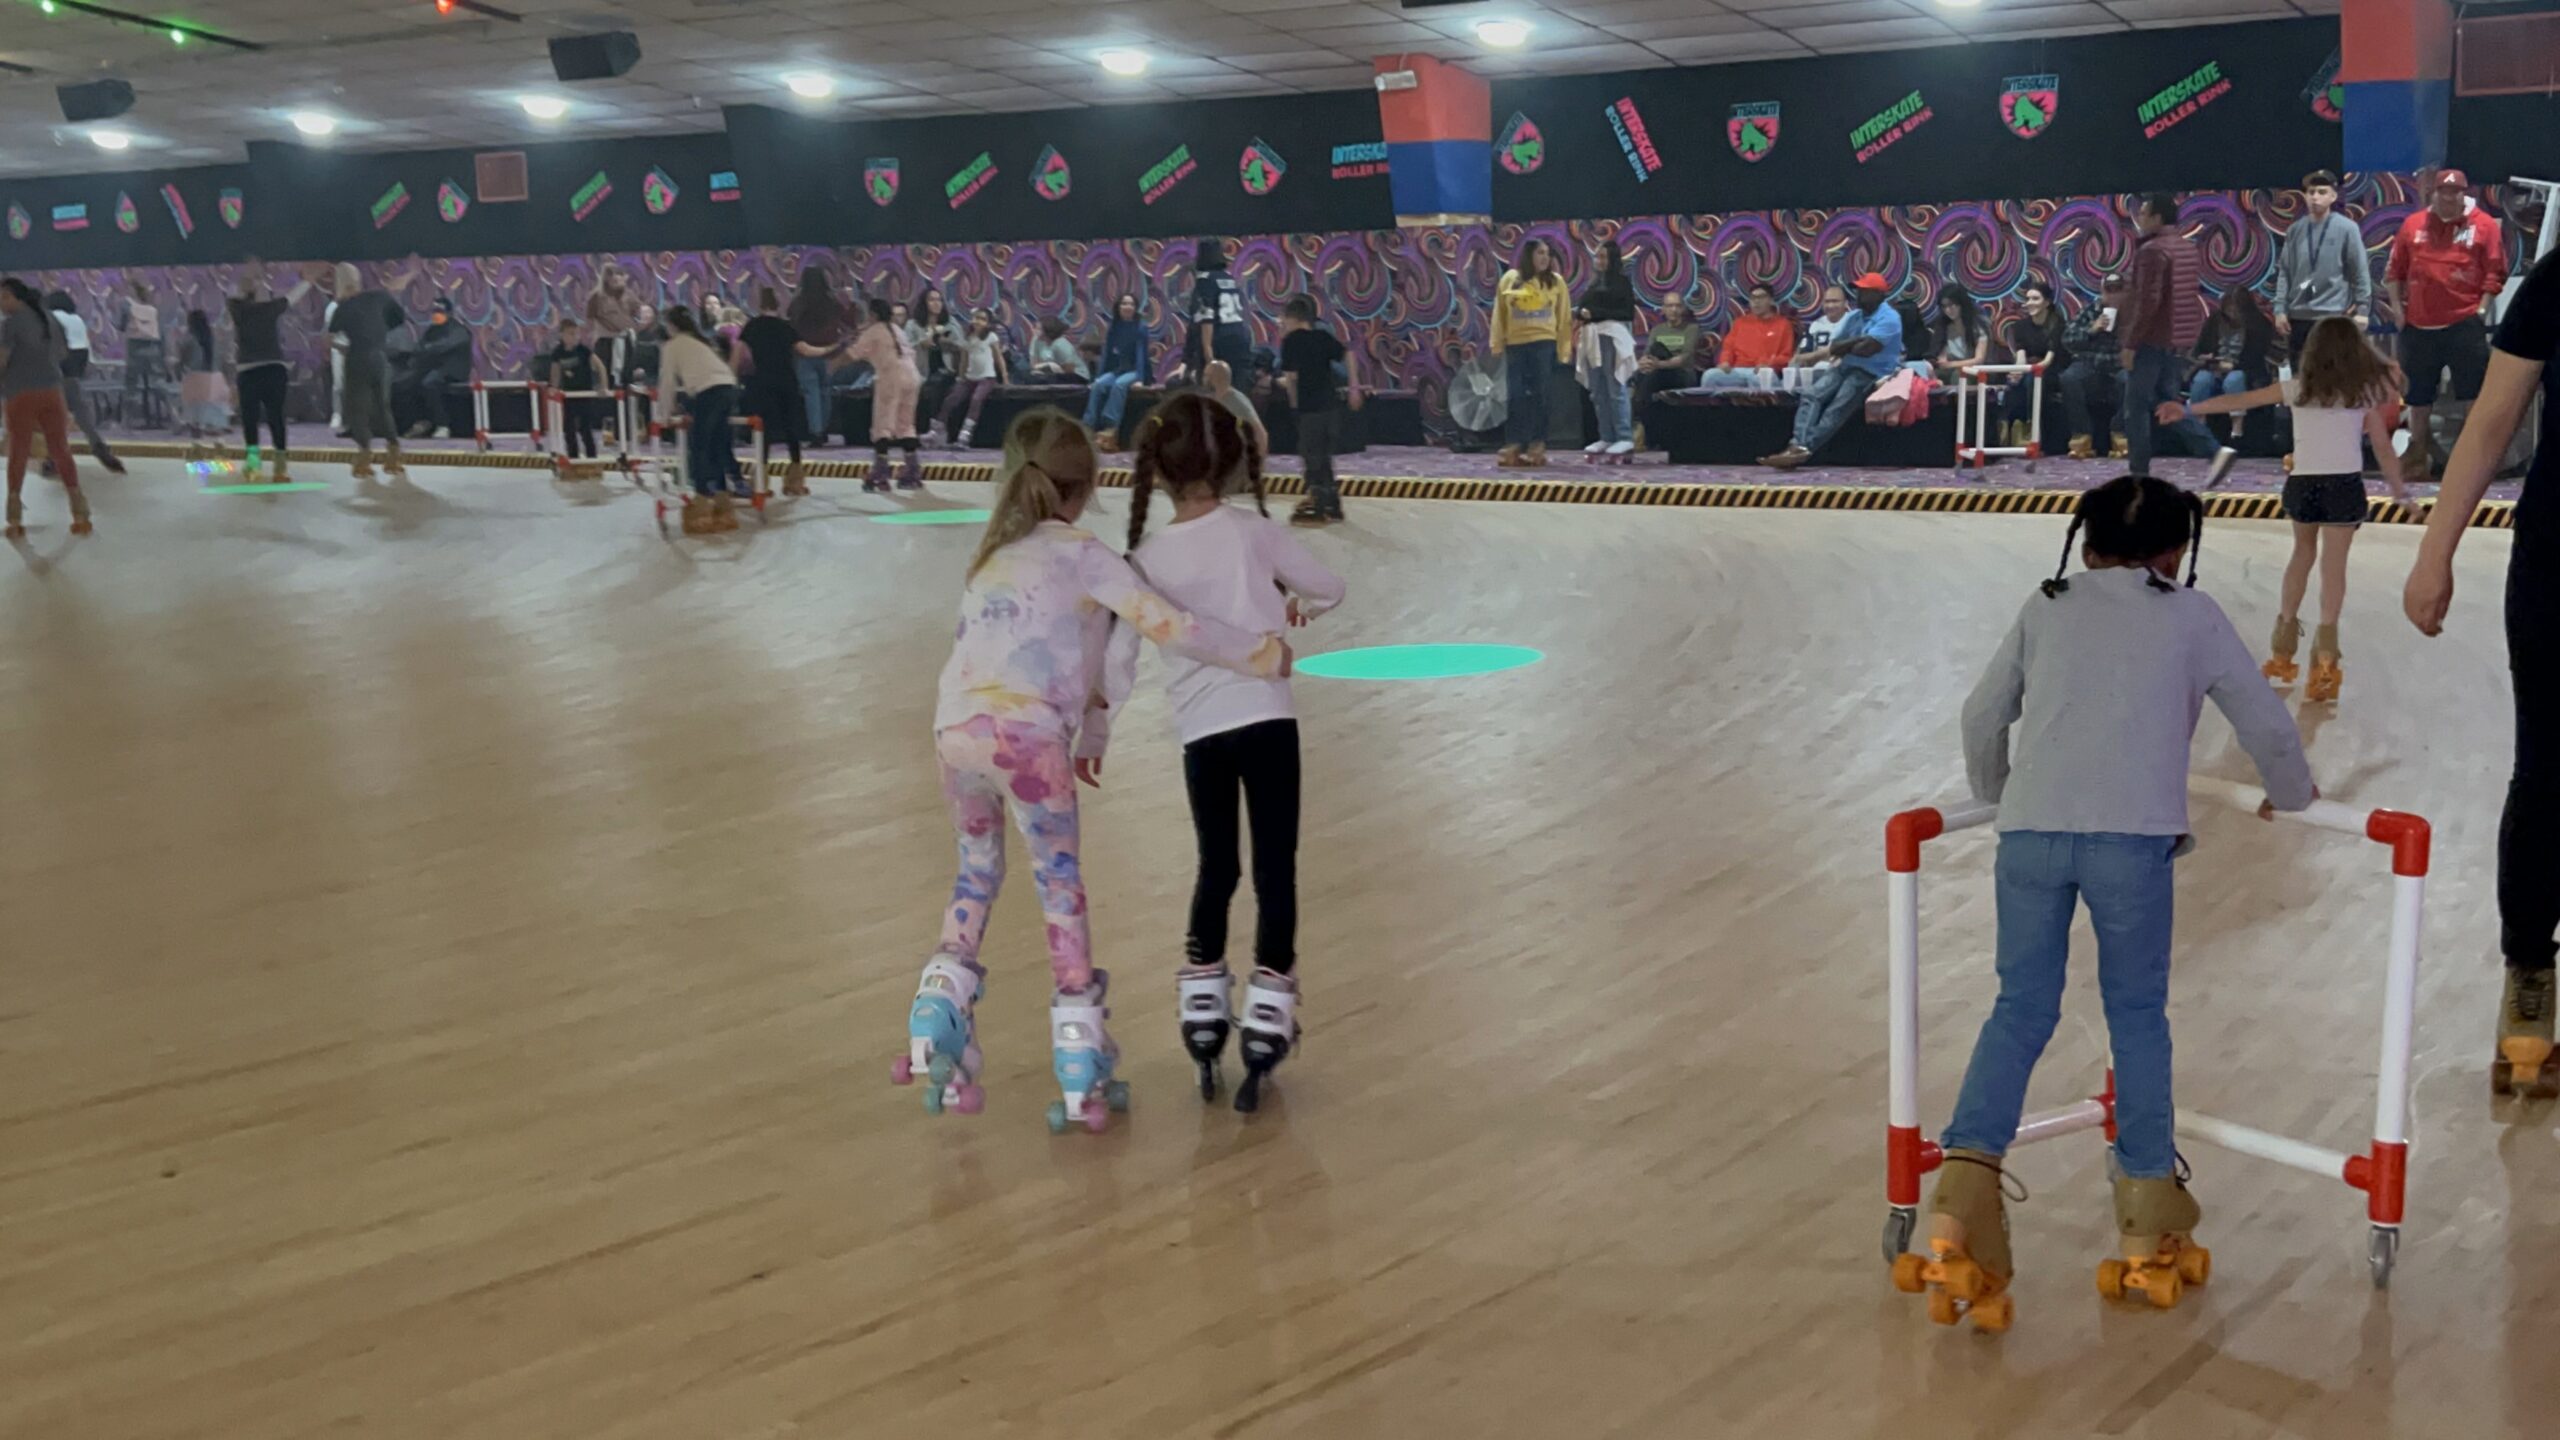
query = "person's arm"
{"x": 1497, "y": 330}
{"x": 1312, "y": 588}
{"x": 1998, "y": 699}
{"x": 2395, "y": 274}
{"x": 2258, "y": 716}
{"x": 1564, "y": 323}
{"x": 2504, "y": 396}
{"x": 1116, "y": 587}
{"x": 2287, "y": 274}
{"x": 2173, "y": 411}
{"x": 2378, "y": 435}
{"x": 1119, "y": 679}
{"x": 2493, "y": 265}
{"x": 2359, "y": 269}
{"x": 1351, "y": 394}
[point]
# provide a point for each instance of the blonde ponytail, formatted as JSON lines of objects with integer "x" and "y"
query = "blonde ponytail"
{"x": 1038, "y": 445}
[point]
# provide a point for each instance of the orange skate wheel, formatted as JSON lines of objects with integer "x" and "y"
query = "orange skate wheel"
{"x": 1962, "y": 1278}
{"x": 1942, "y": 1307}
{"x": 2111, "y": 1275}
{"x": 1995, "y": 1315}
{"x": 2195, "y": 1264}
{"x": 2161, "y": 1287}
{"x": 1906, "y": 1274}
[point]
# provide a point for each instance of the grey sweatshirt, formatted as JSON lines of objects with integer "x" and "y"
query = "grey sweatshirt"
{"x": 2323, "y": 269}
{"x": 2104, "y": 682}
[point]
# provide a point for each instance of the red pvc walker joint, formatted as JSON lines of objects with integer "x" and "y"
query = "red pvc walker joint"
{"x": 2383, "y": 1175}
{"x": 2409, "y": 836}
{"x": 1907, "y": 1157}
{"x": 2107, "y": 1097}
{"x": 1903, "y": 835}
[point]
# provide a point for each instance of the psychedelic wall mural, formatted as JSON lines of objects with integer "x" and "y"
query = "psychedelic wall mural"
{"x": 1412, "y": 302}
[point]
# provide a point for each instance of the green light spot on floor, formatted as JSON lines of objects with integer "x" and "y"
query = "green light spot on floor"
{"x": 290, "y": 487}
{"x": 1417, "y": 662}
{"x": 932, "y": 517}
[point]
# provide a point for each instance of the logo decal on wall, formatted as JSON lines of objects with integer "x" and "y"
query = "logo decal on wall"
{"x": 1051, "y": 176}
{"x": 451, "y": 203}
{"x": 2326, "y": 97}
{"x": 962, "y": 188}
{"x": 1632, "y": 139}
{"x": 880, "y": 179}
{"x": 128, "y": 219}
{"x": 233, "y": 207}
{"x": 388, "y": 208}
{"x": 1887, "y": 126}
{"x": 19, "y": 223}
{"x": 589, "y": 196}
{"x": 70, "y": 217}
{"x": 1753, "y": 130}
{"x": 1261, "y": 168}
{"x": 2170, "y": 108}
{"x": 177, "y": 204}
{"x": 1166, "y": 173}
{"x": 2028, "y": 103}
{"x": 658, "y": 191}
{"x": 1354, "y": 162}
{"x": 724, "y": 186}
{"x": 1523, "y": 146}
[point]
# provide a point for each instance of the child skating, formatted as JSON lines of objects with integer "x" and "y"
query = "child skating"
{"x": 2103, "y": 675}
{"x": 2337, "y": 403}
{"x": 1025, "y": 668}
{"x": 1239, "y": 733}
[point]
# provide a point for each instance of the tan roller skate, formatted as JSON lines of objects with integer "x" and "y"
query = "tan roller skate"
{"x": 724, "y": 513}
{"x": 2524, "y": 1065}
{"x": 2120, "y": 449}
{"x": 1508, "y": 458}
{"x": 2280, "y": 667}
{"x": 392, "y": 468}
{"x": 362, "y": 469}
{"x": 2083, "y": 448}
{"x": 1108, "y": 442}
{"x": 1536, "y": 458}
{"x": 2156, "y": 1220}
{"x": 795, "y": 479}
{"x": 2326, "y": 676}
{"x": 1967, "y": 1270}
{"x": 79, "y": 511}
{"x": 699, "y": 516}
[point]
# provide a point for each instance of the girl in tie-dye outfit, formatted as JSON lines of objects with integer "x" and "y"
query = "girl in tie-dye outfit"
{"x": 1020, "y": 721}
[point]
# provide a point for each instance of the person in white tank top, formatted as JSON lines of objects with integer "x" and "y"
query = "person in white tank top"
{"x": 2337, "y": 402}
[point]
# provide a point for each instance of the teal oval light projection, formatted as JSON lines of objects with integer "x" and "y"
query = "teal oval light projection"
{"x": 1417, "y": 662}
{"x": 932, "y": 517}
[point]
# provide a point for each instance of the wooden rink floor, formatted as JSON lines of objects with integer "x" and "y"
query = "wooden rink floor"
{"x": 455, "y": 942}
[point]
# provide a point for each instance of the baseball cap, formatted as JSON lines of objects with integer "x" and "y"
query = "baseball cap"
{"x": 2454, "y": 178}
{"x": 1870, "y": 281}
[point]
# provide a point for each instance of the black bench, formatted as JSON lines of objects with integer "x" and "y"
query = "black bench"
{"x": 1738, "y": 427}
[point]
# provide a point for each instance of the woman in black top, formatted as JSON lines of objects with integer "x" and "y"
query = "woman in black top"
{"x": 773, "y": 390}
{"x": 2035, "y": 338}
{"x": 1605, "y": 352}
{"x": 2236, "y": 349}
{"x": 257, "y": 321}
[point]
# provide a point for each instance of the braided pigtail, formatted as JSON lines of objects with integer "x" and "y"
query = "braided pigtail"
{"x": 1142, "y": 483}
{"x": 2070, "y": 537}
{"x": 2195, "y": 555}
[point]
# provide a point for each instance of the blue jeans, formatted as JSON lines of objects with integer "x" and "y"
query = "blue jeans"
{"x": 1609, "y": 398}
{"x": 1525, "y": 370}
{"x": 813, "y": 393}
{"x": 2131, "y": 894}
{"x": 1108, "y": 400}
{"x": 709, "y": 459}
{"x": 2207, "y": 385}
{"x": 2154, "y": 378}
{"x": 1826, "y": 404}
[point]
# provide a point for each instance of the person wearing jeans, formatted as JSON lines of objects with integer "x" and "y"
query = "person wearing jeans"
{"x": 1606, "y": 354}
{"x": 1868, "y": 347}
{"x": 2160, "y": 324}
{"x": 1124, "y": 364}
{"x": 1532, "y": 330}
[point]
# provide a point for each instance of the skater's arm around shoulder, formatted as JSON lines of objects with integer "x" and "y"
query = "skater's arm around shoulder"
{"x": 1317, "y": 588}
{"x": 2266, "y": 729}
{"x": 1998, "y": 698}
{"x": 1116, "y": 587}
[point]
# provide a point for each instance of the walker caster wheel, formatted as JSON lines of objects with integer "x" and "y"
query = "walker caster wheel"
{"x": 902, "y": 1071}
{"x": 2382, "y": 1254}
{"x": 1116, "y": 1095}
{"x": 1898, "y": 1225}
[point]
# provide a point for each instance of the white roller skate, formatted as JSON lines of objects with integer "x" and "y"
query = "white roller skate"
{"x": 1203, "y": 991}
{"x": 942, "y": 1037}
{"x": 1081, "y": 1049}
{"x": 1270, "y": 1024}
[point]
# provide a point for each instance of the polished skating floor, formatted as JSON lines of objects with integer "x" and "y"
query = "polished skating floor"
{"x": 455, "y": 940}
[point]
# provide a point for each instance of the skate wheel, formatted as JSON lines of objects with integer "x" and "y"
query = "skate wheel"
{"x": 1906, "y": 1274}
{"x": 2195, "y": 1265}
{"x": 1057, "y": 1117}
{"x": 1209, "y": 1079}
{"x": 933, "y": 1099}
{"x": 939, "y": 1070}
{"x": 2161, "y": 1288}
{"x": 1942, "y": 1308}
{"x": 1249, "y": 1094}
{"x": 2111, "y": 1279}
{"x": 79, "y": 527}
{"x": 1097, "y": 1118}
{"x": 1995, "y": 1315}
{"x": 970, "y": 1100}
{"x": 1116, "y": 1095}
{"x": 901, "y": 1072}
{"x": 1962, "y": 1279}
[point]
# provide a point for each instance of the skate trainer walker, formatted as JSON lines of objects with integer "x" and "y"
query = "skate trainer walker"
{"x": 2382, "y": 1172}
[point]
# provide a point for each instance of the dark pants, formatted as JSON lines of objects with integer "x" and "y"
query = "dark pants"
{"x": 262, "y": 396}
{"x": 970, "y": 393}
{"x": 2084, "y": 388}
{"x": 1525, "y": 371}
{"x": 365, "y": 401}
{"x": 76, "y": 400}
{"x": 1318, "y": 432}
{"x": 2158, "y": 374}
{"x": 1262, "y": 760}
{"x": 2529, "y": 831}
{"x": 780, "y": 407}
{"x": 146, "y": 364}
{"x": 710, "y": 460}
{"x": 578, "y": 421}
{"x": 929, "y": 398}
{"x": 2462, "y": 347}
{"x": 1649, "y": 383}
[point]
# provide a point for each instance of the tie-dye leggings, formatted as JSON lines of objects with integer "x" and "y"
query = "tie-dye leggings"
{"x": 988, "y": 767}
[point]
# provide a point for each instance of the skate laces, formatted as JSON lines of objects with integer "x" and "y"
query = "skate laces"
{"x": 2011, "y": 1187}
{"x": 2533, "y": 994}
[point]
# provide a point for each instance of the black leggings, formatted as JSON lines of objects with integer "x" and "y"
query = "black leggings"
{"x": 1263, "y": 760}
{"x": 579, "y": 418}
{"x": 784, "y": 412}
{"x": 262, "y": 395}
{"x": 2529, "y": 832}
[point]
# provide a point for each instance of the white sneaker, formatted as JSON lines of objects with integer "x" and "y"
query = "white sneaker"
{"x": 444, "y": 432}
{"x": 2221, "y": 470}
{"x": 1623, "y": 447}
{"x": 1595, "y": 447}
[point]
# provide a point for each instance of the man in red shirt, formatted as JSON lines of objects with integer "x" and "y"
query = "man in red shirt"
{"x": 2447, "y": 265}
{"x": 2159, "y": 326}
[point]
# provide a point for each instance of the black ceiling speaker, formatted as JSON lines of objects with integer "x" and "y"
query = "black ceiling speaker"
{"x": 97, "y": 100}
{"x": 595, "y": 57}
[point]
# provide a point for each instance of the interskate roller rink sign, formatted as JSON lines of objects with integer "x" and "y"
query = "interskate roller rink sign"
{"x": 2173, "y": 105}
{"x": 1889, "y": 125}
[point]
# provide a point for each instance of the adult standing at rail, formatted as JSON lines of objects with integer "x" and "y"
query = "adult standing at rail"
{"x": 613, "y": 318}
{"x": 825, "y": 326}
{"x": 2322, "y": 271}
{"x": 2447, "y": 266}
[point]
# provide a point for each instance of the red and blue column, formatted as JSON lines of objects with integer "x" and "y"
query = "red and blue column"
{"x": 2395, "y": 58}
{"x": 1439, "y": 139}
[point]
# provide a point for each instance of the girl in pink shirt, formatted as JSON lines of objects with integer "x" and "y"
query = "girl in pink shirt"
{"x": 894, "y": 386}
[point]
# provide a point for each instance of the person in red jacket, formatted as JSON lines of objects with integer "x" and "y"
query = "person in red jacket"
{"x": 2447, "y": 265}
{"x": 2159, "y": 326}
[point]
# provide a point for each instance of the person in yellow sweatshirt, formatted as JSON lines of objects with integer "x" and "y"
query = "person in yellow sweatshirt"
{"x": 1532, "y": 329}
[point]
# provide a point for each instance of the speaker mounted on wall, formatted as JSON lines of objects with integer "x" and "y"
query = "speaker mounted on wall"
{"x": 95, "y": 100}
{"x": 595, "y": 57}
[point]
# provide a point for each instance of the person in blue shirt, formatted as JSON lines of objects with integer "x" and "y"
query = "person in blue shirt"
{"x": 1869, "y": 348}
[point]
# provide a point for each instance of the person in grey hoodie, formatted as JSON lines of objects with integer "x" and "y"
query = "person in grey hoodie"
{"x": 2323, "y": 270}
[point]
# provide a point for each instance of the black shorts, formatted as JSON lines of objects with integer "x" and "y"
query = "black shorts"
{"x": 2324, "y": 499}
{"x": 2462, "y": 347}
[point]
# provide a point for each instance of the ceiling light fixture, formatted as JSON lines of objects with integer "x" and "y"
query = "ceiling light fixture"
{"x": 1503, "y": 34}
{"x": 810, "y": 86}
{"x": 111, "y": 139}
{"x": 1959, "y": 4}
{"x": 543, "y": 107}
{"x": 1124, "y": 62}
{"x": 312, "y": 122}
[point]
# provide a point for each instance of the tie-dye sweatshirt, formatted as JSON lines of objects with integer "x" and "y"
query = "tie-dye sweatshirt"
{"x": 1036, "y": 619}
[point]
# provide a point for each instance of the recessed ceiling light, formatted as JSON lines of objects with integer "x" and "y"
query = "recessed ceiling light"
{"x": 543, "y": 107}
{"x": 1959, "y": 4}
{"x": 1124, "y": 62}
{"x": 810, "y": 86}
{"x": 1503, "y": 34}
{"x": 312, "y": 122}
{"x": 111, "y": 139}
